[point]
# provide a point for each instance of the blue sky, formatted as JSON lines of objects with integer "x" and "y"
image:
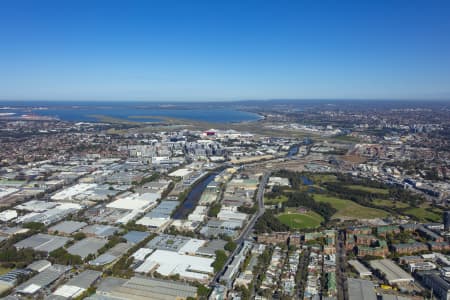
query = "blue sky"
{"x": 224, "y": 50}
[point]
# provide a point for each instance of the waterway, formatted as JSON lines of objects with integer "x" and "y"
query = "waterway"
{"x": 292, "y": 151}
{"x": 193, "y": 197}
{"x": 131, "y": 111}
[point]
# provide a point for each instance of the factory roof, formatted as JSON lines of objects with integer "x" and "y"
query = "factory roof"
{"x": 89, "y": 245}
{"x": 361, "y": 290}
{"x": 39, "y": 265}
{"x": 360, "y": 268}
{"x": 43, "y": 242}
{"x": 135, "y": 201}
{"x": 68, "y": 227}
{"x": 393, "y": 272}
{"x": 100, "y": 230}
{"x": 42, "y": 279}
{"x": 135, "y": 237}
{"x": 170, "y": 263}
{"x": 145, "y": 288}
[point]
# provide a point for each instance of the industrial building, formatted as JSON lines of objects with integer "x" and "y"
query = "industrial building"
{"x": 98, "y": 230}
{"x": 360, "y": 268}
{"x": 439, "y": 286}
{"x": 67, "y": 227}
{"x": 361, "y": 289}
{"x": 169, "y": 263}
{"x": 393, "y": 273}
{"x": 42, "y": 280}
{"x": 135, "y": 237}
{"x": 87, "y": 246}
{"x": 77, "y": 285}
{"x": 43, "y": 242}
{"x": 141, "y": 288}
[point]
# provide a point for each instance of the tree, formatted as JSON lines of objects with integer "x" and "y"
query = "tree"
{"x": 230, "y": 246}
{"x": 79, "y": 236}
{"x": 214, "y": 210}
{"x": 219, "y": 262}
{"x": 61, "y": 256}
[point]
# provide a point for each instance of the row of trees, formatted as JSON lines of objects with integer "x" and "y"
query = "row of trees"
{"x": 301, "y": 199}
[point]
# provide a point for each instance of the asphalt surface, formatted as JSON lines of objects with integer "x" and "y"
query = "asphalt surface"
{"x": 340, "y": 268}
{"x": 248, "y": 229}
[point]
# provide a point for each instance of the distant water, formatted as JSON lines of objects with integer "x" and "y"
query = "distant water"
{"x": 83, "y": 111}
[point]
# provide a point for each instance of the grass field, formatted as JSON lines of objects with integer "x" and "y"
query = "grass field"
{"x": 276, "y": 200}
{"x": 368, "y": 189}
{"x": 389, "y": 203}
{"x": 347, "y": 209}
{"x": 321, "y": 178}
{"x": 301, "y": 221}
{"x": 423, "y": 214}
{"x": 4, "y": 270}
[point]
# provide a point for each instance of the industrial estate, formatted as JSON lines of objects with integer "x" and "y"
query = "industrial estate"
{"x": 346, "y": 205}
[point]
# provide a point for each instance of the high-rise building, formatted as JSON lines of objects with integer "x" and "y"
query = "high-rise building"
{"x": 446, "y": 220}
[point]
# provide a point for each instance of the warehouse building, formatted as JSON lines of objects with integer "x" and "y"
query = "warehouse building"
{"x": 169, "y": 263}
{"x": 98, "y": 230}
{"x": 393, "y": 273}
{"x": 86, "y": 246}
{"x": 42, "y": 280}
{"x": 140, "y": 288}
{"x": 111, "y": 255}
{"x": 135, "y": 237}
{"x": 43, "y": 242}
{"x": 67, "y": 227}
{"x": 77, "y": 285}
{"x": 361, "y": 289}
{"x": 440, "y": 286}
{"x": 360, "y": 268}
{"x": 10, "y": 279}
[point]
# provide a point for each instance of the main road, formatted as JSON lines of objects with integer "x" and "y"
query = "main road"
{"x": 248, "y": 228}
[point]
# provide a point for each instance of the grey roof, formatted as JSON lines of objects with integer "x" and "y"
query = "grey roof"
{"x": 85, "y": 279}
{"x": 361, "y": 290}
{"x": 68, "y": 227}
{"x": 100, "y": 230}
{"x": 429, "y": 233}
{"x": 212, "y": 247}
{"x": 392, "y": 271}
{"x": 43, "y": 279}
{"x": 168, "y": 242}
{"x": 163, "y": 210}
{"x": 111, "y": 255}
{"x": 43, "y": 242}
{"x": 119, "y": 249}
{"x": 12, "y": 276}
{"x": 55, "y": 297}
{"x": 146, "y": 288}
{"x": 39, "y": 264}
{"x": 359, "y": 267}
{"x": 86, "y": 246}
{"x": 11, "y": 230}
{"x": 109, "y": 283}
{"x": 136, "y": 237}
{"x": 103, "y": 259}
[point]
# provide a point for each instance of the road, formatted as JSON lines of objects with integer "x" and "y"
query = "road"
{"x": 340, "y": 267}
{"x": 248, "y": 228}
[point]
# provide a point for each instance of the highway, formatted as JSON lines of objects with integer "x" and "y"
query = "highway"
{"x": 248, "y": 228}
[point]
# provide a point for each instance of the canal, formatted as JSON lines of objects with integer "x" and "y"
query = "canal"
{"x": 292, "y": 151}
{"x": 193, "y": 197}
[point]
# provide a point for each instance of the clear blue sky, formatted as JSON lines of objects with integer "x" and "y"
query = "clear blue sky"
{"x": 224, "y": 50}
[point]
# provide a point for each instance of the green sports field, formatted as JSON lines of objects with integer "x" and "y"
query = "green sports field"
{"x": 301, "y": 220}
